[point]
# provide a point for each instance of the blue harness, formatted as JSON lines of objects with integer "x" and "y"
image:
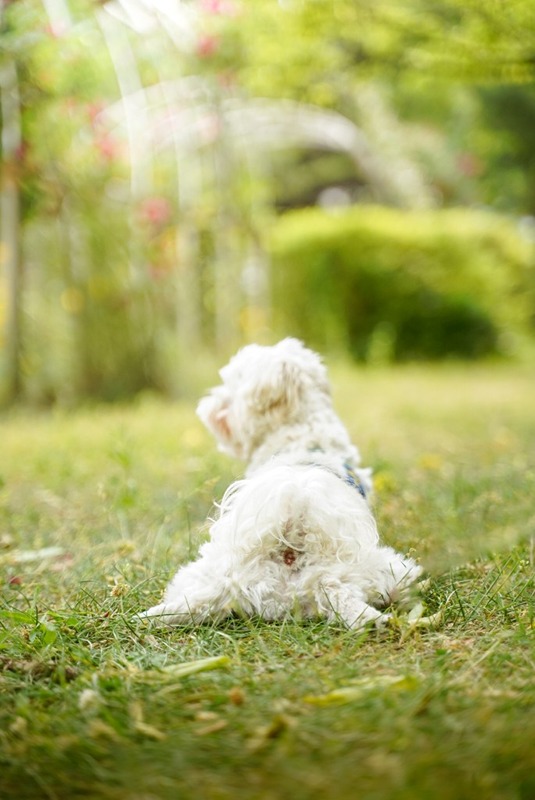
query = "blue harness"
{"x": 351, "y": 477}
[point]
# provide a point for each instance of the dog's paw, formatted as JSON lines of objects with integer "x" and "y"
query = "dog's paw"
{"x": 140, "y": 616}
{"x": 368, "y": 617}
{"x": 157, "y": 615}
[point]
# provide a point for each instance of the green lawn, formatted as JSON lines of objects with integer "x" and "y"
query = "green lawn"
{"x": 95, "y": 706}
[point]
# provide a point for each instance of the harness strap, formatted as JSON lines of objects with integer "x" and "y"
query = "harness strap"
{"x": 351, "y": 477}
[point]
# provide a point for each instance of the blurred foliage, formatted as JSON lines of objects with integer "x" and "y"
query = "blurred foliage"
{"x": 138, "y": 256}
{"x": 328, "y": 45}
{"x": 396, "y": 285}
{"x": 509, "y": 112}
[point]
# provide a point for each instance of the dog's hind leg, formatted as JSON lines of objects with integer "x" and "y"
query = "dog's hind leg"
{"x": 198, "y": 592}
{"x": 341, "y": 601}
{"x": 396, "y": 578}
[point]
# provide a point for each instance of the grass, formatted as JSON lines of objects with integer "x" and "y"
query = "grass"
{"x": 94, "y": 706}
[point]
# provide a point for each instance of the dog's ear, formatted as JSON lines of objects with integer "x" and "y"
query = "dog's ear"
{"x": 213, "y": 412}
{"x": 278, "y": 390}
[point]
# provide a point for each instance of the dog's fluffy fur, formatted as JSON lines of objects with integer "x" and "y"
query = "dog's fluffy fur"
{"x": 297, "y": 534}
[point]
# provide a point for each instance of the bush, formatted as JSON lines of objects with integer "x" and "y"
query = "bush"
{"x": 386, "y": 284}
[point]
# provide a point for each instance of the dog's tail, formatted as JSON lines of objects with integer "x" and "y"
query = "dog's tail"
{"x": 297, "y": 506}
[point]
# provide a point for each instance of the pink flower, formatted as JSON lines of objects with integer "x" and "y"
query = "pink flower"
{"x": 155, "y": 210}
{"x": 107, "y": 147}
{"x": 207, "y": 45}
{"x": 56, "y": 29}
{"x": 223, "y": 7}
{"x": 93, "y": 110}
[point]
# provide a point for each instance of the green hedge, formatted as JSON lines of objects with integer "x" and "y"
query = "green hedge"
{"x": 386, "y": 284}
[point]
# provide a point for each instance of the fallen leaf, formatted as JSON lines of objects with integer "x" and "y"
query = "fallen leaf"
{"x": 27, "y": 556}
{"x": 415, "y": 621}
{"x": 150, "y": 731}
{"x": 174, "y": 671}
{"x": 346, "y": 694}
{"x": 206, "y": 716}
{"x": 213, "y": 728}
{"x": 416, "y": 613}
{"x": 97, "y": 728}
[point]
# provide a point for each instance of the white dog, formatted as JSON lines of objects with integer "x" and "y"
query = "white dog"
{"x": 297, "y": 534}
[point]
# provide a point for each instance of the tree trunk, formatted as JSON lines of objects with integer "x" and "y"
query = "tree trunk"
{"x": 10, "y": 252}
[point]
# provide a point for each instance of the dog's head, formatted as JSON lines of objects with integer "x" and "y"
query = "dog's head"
{"x": 263, "y": 389}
